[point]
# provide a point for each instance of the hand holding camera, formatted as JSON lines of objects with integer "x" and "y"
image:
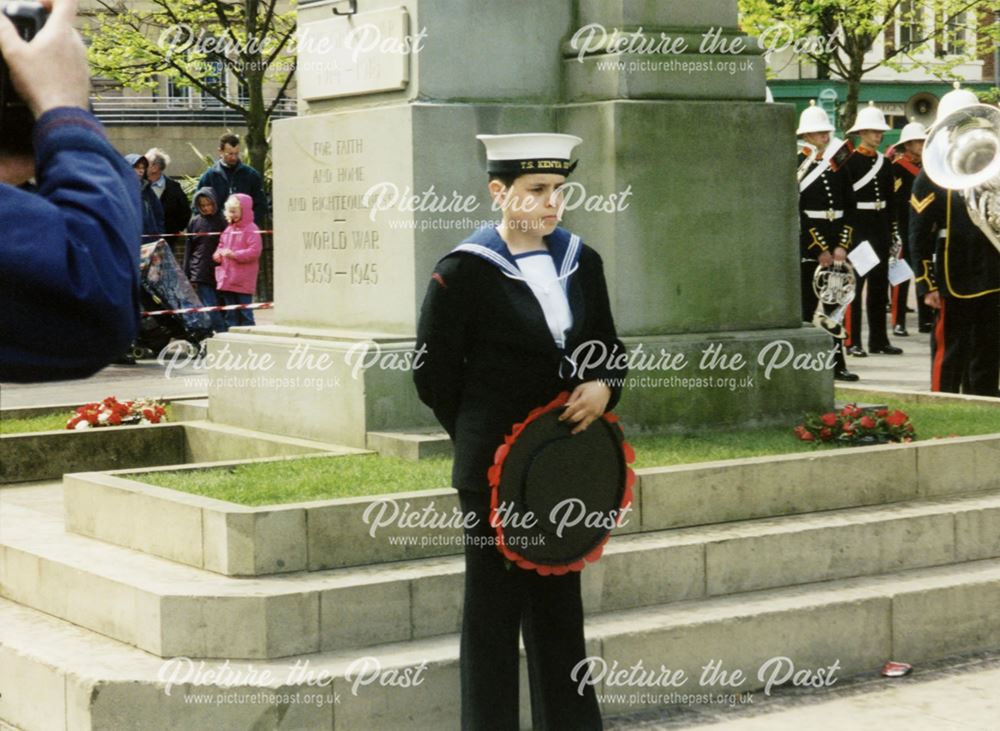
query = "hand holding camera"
{"x": 47, "y": 63}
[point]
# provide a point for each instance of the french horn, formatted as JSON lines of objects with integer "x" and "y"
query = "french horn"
{"x": 834, "y": 287}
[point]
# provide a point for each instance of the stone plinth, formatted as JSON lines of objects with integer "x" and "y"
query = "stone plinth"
{"x": 685, "y": 187}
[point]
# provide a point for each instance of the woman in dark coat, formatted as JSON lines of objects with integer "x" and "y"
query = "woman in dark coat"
{"x": 504, "y": 325}
{"x": 152, "y": 211}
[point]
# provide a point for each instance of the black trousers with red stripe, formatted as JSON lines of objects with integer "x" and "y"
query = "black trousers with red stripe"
{"x": 501, "y": 601}
{"x": 876, "y": 282}
{"x": 925, "y": 315}
{"x": 965, "y": 346}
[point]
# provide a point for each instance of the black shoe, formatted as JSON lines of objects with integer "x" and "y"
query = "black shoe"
{"x": 888, "y": 350}
{"x": 925, "y": 328}
{"x": 909, "y": 309}
{"x": 900, "y": 331}
{"x": 857, "y": 351}
{"x": 842, "y": 374}
{"x": 126, "y": 359}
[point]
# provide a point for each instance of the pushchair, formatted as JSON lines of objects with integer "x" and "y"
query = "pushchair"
{"x": 165, "y": 287}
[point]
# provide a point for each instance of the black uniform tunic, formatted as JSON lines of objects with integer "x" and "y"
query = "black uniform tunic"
{"x": 951, "y": 255}
{"x": 489, "y": 358}
{"x": 874, "y": 220}
{"x": 904, "y": 172}
{"x": 825, "y": 206}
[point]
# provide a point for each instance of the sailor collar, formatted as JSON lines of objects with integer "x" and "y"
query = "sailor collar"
{"x": 563, "y": 246}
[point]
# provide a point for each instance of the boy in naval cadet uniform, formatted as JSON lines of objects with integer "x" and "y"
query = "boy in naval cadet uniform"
{"x": 905, "y": 169}
{"x": 957, "y": 274}
{"x": 826, "y": 199}
{"x": 503, "y": 314}
{"x": 874, "y": 220}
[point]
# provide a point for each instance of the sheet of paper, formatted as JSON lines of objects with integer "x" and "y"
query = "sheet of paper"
{"x": 899, "y": 271}
{"x": 863, "y": 258}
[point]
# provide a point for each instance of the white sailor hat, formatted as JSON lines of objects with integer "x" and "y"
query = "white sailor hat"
{"x": 912, "y": 131}
{"x": 813, "y": 119}
{"x": 870, "y": 117}
{"x": 520, "y": 154}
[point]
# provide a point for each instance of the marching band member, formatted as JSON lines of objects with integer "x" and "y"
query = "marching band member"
{"x": 874, "y": 220}
{"x": 958, "y": 275}
{"x": 905, "y": 169}
{"x": 826, "y": 199}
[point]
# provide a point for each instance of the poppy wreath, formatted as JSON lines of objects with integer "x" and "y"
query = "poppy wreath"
{"x": 112, "y": 412}
{"x": 854, "y": 426}
{"x": 541, "y": 465}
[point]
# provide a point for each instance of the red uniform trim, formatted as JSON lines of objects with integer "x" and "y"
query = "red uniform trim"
{"x": 938, "y": 349}
{"x": 895, "y": 305}
{"x": 912, "y": 167}
{"x": 849, "y": 340}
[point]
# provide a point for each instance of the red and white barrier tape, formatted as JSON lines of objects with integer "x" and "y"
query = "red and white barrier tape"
{"x": 207, "y": 233}
{"x": 214, "y": 308}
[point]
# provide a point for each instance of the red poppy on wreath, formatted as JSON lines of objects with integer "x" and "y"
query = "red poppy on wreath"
{"x": 896, "y": 418}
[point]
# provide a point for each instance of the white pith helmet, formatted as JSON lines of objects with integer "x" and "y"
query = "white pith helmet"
{"x": 954, "y": 100}
{"x": 912, "y": 131}
{"x": 870, "y": 117}
{"x": 813, "y": 119}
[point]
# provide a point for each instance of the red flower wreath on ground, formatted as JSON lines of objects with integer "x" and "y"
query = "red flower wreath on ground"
{"x": 496, "y": 470}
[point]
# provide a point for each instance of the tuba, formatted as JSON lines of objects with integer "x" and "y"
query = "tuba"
{"x": 834, "y": 288}
{"x": 962, "y": 153}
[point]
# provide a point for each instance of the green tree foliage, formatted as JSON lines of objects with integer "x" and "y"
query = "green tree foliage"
{"x": 836, "y": 35}
{"x": 199, "y": 44}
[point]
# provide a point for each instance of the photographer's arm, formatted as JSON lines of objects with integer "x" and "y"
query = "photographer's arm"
{"x": 69, "y": 254}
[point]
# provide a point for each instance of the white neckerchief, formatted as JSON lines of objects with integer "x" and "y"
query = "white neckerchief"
{"x": 539, "y": 272}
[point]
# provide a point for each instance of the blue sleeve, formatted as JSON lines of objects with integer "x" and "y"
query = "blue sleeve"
{"x": 69, "y": 255}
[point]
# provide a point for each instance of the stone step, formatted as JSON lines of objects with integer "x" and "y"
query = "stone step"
{"x": 171, "y": 609}
{"x": 195, "y": 409}
{"x": 57, "y": 676}
{"x": 237, "y": 540}
{"x": 412, "y": 445}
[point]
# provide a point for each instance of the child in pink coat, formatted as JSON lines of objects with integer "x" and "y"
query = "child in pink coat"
{"x": 238, "y": 256}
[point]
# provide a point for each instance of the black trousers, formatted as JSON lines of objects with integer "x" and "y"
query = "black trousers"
{"x": 898, "y": 300}
{"x": 501, "y": 600}
{"x": 876, "y": 282}
{"x": 965, "y": 346}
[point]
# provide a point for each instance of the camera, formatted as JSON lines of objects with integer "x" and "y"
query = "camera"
{"x": 15, "y": 118}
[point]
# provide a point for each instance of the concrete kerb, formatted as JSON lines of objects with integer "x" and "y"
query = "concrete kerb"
{"x": 237, "y": 540}
{"x": 924, "y": 397}
{"x": 49, "y": 455}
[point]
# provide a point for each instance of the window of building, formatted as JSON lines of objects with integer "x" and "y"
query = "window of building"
{"x": 909, "y": 23}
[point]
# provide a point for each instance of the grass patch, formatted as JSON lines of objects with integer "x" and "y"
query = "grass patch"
{"x": 297, "y": 480}
{"x": 48, "y": 422}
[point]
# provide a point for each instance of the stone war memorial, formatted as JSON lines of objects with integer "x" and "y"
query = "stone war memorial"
{"x": 287, "y": 551}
